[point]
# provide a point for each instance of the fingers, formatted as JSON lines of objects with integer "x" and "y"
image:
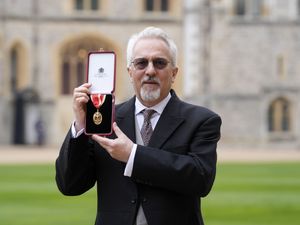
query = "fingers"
{"x": 80, "y": 94}
{"x": 83, "y": 88}
{"x": 104, "y": 142}
{"x": 119, "y": 148}
{"x": 80, "y": 98}
{"x": 117, "y": 130}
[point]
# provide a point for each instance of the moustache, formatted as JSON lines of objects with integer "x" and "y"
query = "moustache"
{"x": 150, "y": 79}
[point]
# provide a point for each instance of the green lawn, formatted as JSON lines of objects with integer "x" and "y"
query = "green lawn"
{"x": 29, "y": 196}
{"x": 244, "y": 194}
{"x": 254, "y": 194}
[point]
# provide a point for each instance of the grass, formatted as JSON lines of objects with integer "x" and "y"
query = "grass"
{"x": 29, "y": 196}
{"x": 243, "y": 194}
{"x": 260, "y": 194}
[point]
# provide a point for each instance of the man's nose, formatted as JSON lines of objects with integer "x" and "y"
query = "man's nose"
{"x": 150, "y": 69}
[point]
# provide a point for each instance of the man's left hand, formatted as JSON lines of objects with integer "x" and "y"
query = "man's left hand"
{"x": 119, "y": 148}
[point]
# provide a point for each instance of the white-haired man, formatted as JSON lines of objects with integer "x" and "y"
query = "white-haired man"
{"x": 143, "y": 180}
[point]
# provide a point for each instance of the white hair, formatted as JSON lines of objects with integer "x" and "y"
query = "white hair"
{"x": 152, "y": 32}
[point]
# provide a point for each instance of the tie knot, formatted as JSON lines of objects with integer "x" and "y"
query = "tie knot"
{"x": 148, "y": 114}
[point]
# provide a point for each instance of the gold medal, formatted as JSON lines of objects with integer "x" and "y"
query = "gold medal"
{"x": 97, "y": 118}
{"x": 98, "y": 100}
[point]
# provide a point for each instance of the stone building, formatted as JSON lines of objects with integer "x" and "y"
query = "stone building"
{"x": 238, "y": 57}
{"x": 43, "y": 53}
{"x": 242, "y": 59}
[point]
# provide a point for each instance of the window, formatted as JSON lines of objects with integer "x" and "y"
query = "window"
{"x": 164, "y": 5}
{"x": 86, "y": 5}
{"x": 94, "y": 4}
{"x": 149, "y": 5}
{"x": 18, "y": 68}
{"x": 73, "y": 67}
{"x": 256, "y": 8}
{"x": 281, "y": 67}
{"x": 252, "y": 8}
{"x": 279, "y": 116}
{"x": 79, "y": 4}
{"x": 156, "y": 5}
{"x": 66, "y": 78}
{"x": 240, "y": 7}
{"x": 14, "y": 59}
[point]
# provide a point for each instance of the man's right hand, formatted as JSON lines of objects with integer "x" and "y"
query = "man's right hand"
{"x": 80, "y": 98}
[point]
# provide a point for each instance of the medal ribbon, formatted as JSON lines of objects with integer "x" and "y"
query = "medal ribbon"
{"x": 98, "y": 100}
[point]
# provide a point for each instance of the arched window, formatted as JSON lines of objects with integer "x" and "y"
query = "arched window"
{"x": 18, "y": 68}
{"x": 279, "y": 116}
{"x": 74, "y": 59}
{"x": 14, "y": 68}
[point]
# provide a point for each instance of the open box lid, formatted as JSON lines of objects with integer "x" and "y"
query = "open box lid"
{"x": 101, "y": 72}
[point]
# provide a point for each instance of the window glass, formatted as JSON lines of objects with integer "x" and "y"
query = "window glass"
{"x": 279, "y": 117}
{"x": 240, "y": 7}
{"x": 79, "y": 4}
{"x": 94, "y": 4}
{"x": 149, "y": 5}
{"x": 164, "y": 5}
{"x": 80, "y": 73}
{"x": 256, "y": 7}
{"x": 14, "y": 68}
{"x": 65, "y": 78}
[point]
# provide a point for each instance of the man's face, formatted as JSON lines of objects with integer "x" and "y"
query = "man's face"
{"x": 152, "y": 72}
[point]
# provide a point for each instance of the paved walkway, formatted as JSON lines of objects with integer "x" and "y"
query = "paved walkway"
{"x": 35, "y": 154}
{"x": 27, "y": 154}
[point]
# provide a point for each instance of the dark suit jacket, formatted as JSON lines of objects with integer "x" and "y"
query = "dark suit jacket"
{"x": 169, "y": 176}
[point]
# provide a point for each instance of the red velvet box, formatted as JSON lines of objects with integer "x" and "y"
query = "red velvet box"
{"x": 101, "y": 73}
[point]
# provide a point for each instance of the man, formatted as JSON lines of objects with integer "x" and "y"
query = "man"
{"x": 142, "y": 180}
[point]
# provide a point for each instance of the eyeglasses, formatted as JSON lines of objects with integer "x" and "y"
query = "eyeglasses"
{"x": 142, "y": 63}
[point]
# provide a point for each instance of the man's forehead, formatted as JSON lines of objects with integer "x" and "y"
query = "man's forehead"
{"x": 146, "y": 40}
{"x": 151, "y": 45}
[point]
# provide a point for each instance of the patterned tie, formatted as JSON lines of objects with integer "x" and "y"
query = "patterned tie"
{"x": 147, "y": 130}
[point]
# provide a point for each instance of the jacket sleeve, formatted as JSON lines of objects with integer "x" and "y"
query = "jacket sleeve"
{"x": 189, "y": 169}
{"x": 75, "y": 165}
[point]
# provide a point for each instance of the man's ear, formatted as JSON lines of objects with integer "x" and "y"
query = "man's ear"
{"x": 174, "y": 74}
{"x": 130, "y": 73}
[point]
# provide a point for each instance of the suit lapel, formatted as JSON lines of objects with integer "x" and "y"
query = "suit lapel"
{"x": 125, "y": 118}
{"x": 168, "y": 122}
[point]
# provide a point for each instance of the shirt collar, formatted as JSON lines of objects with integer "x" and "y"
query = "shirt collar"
{"x": 159, "y": 108}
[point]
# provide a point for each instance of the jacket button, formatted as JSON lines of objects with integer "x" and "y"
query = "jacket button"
{"x": 144, "y": 200}
{"x": 133, "y": 201}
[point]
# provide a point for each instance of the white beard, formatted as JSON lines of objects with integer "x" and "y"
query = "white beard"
{"x": 150, "y": 95}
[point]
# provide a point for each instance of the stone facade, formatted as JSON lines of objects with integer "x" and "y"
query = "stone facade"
{"x": 39, "y": 31}
{"x": 239, "y": 58}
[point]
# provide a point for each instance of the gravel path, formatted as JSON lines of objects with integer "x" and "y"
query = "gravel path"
{"x": 35, "y": 154}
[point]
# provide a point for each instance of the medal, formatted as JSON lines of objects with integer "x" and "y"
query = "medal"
{"x": 97, "y": 118}
{"x": 98, "y": 100}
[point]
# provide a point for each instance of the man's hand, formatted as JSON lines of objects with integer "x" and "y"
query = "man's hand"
{"x": 119, "y": 148}
{"x": 80, "y": 98}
